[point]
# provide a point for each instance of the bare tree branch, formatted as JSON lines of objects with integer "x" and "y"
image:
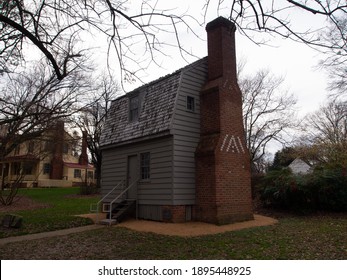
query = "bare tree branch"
{"x": 268, "y": 112}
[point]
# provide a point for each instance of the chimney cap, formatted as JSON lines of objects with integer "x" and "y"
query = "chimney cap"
{"x": 220, "y": 22}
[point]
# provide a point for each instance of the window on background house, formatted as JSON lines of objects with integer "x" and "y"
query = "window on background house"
{"x": 90, "y": 174}
{"x": 190, "y": 103}
{"x": 46, "y": 168}
{"x": 16, "y": 168}
{"x": 133, "y": 109}
{"x": 145, "y": 160}
{"x": 28, "y": 168}
{"x": 77, "y": 173}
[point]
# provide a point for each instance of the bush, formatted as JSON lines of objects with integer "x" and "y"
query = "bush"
{"x": 283, "y": 189}
{"x": 331, "y": 185}
{"x": 323, "y": 189}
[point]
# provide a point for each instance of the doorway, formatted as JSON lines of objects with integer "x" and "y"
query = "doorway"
{"x": 132, "y": 176}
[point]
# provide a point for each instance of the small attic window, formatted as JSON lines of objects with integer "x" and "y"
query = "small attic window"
{"x": 191, "y": 103}
{"x": 133, "y": 109}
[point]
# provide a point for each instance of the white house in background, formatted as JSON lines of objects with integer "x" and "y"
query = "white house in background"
{"x": 299, "y": 166}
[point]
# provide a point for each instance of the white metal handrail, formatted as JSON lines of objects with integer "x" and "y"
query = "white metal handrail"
{"x": 119, "y": 196}
{"x": 102, "y": 199}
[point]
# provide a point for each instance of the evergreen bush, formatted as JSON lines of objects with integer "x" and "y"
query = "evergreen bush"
{"x": 323, "y": 189}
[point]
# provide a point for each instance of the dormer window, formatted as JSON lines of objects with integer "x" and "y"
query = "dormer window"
{"x": 133, "y": 109}
{"x": 191, "y": 103}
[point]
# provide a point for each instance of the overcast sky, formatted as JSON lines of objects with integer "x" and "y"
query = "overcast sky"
{"x": 296, "y": 62}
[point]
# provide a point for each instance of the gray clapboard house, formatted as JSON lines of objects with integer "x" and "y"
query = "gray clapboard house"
{"x": 151, "y": 136}
{"x": 150, "y": 142}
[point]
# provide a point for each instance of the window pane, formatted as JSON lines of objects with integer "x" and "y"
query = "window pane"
{"x": 46, "y": 168}
{"x": 77, "y": 173}
{"x": 190, "y": 103}
{"x": 145, "y": 166}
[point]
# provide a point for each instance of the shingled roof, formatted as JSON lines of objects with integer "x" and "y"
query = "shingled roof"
{"x": 158, "y": 100}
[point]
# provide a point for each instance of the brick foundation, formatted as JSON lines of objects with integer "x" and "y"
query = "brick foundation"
{"x": 175, "y": 213}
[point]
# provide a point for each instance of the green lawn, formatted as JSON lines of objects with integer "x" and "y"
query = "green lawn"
{"x": 63, "y": 204}
{"x": 318, "y": 236}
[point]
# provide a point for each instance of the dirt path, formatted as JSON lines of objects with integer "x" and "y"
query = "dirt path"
{"x": 189, "y": 228}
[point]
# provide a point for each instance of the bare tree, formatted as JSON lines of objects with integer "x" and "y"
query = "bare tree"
{"x": 336, "y": 58}
{"x": 31, "y": 104}
{"x": 92, "y": 117}
{"x": 57, "y": 28}
{"x": 268, "y": 113}
{"x": 326, "y": 133}
{"x": 278, "y": 17}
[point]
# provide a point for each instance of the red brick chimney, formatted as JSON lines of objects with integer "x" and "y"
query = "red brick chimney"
{"x": 223, "y": 185}
{"x": 57, "y": 163}
{"x": 83, "y": 159}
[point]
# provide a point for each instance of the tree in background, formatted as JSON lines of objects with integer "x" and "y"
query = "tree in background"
{"x": 324, "y": 28}
{"x": 326, "y": 133}
{"x": 31, "y": 104}
{"x": 136, "y": 32}
{"x": 57, "y": 29}
{"x": 279, "y": 18}
{"x": 268, "y": 114}
{"x": 91, "y": 118}
{"x": 336, "y": 57}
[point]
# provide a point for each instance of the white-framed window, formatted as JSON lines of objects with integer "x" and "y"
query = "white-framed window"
{"x": 190, "y": 103}
{"x": 46, "y": 168}
{"x": 90, "y": 174}
{"x": 145, "y": 170}
{"x": 77, "y": 173}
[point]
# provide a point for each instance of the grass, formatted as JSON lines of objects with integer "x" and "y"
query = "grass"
{"x": 63, "y": 204}
{"x": 315, "y": 237}
{"x": 319, "y": 236}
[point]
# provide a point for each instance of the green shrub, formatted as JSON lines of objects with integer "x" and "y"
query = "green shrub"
{"x": 331, "y": 186}
{"x": 283, "y": 189}
{"x": 323, "y": 189}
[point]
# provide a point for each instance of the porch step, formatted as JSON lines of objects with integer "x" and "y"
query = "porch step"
{"x": 108, "y": 222}
{"x": 122, "y": 210}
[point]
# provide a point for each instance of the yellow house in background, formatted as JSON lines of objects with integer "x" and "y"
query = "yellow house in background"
{"x": 53, "y": 160}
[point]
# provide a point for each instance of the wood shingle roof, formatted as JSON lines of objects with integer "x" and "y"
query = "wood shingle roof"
{"x": 157, "y": 104}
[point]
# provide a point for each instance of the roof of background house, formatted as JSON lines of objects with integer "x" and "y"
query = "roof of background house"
{"x": 301, "y": 160}
{"x": 157, "y": 100}
{"x": 299, "y": 165}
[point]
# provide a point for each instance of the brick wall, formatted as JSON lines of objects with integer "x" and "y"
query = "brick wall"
{"x": 174, "y": 213}
{"x": 57, "y": 164}
{"x": 223, "y": 186}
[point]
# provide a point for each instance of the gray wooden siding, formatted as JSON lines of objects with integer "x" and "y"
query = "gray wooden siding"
{"x": 186, "y": 130}
{"x": 157, "y": 190}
